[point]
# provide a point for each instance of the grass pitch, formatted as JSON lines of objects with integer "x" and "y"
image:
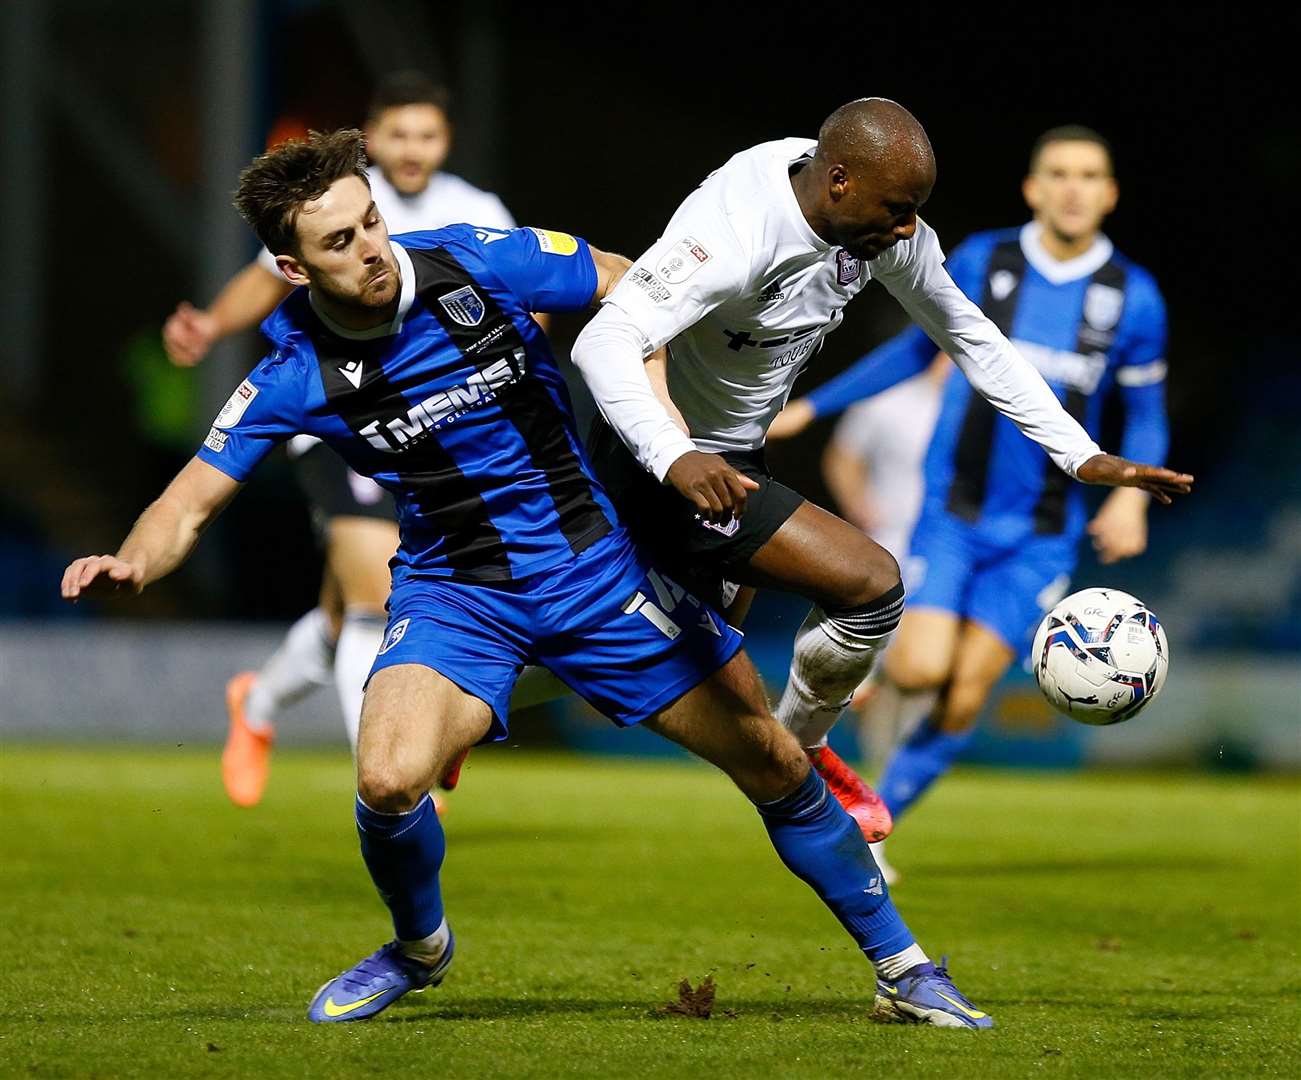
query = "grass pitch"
{"x": 1113, "y": 925}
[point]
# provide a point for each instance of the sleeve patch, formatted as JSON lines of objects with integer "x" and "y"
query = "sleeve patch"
{"x": 682, "y": 260}
{"x": 1141, "y": 374}
{"x": 216, "y": 440}
{"x": 234, "y": 408}
{"x": 649, "y": 284}
{"x": 555, "y": 243}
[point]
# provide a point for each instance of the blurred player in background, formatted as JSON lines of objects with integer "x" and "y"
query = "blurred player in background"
{"x": 751, "y": 273}
{"x": 418, "y": 360}
{"x": 408, "y": 137}
{"x": 997, "y": 539}
{"x": 873, "y": 468}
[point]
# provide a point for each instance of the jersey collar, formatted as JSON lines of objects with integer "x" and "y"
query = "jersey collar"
{"x": 1093, "y": 260}
{"x": 406, "y": 298}
{"x": 793, "y": 212}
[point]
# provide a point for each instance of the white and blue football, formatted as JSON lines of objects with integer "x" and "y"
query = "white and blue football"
{"x": 1100, "y": 656}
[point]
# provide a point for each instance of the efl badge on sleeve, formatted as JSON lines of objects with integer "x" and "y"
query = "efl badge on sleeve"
{"x": 235, "y": 405}
{"x": 682, "y": 260}
{"x": 1102, "y": 306}
{"x": 847, "y": 268}
{"x": 463, "y": 305}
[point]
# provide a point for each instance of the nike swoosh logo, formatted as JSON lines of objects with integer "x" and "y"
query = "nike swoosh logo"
{"x": 974, "y": 1014}
{"x": 887, "y": 989}
{"x": 352, "y": 372}
{"x": 331, "y": 1009}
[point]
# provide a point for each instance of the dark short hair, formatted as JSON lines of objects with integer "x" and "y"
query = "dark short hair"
{"x": 274, "y": 187}
{"x": 1069, "y": 133}
{"x": 408, "y": 88}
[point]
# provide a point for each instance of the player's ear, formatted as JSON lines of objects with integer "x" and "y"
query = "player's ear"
{"x": 838, "y": 181}
{"x": 292, "y": 270}
{"x": 1113, "y": 196}
{"x": 1030, "y": 191}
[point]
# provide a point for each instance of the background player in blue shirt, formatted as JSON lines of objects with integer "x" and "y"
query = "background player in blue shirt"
{"x": 1000, "y": 527}
{"x": 418, "y": 361}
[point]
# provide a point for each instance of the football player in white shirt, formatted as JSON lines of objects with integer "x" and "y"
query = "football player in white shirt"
{"x": 408, "y": 137}
{"x": 751, "y": 273}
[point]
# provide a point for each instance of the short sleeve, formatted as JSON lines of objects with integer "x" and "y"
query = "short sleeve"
{"x": 697, "y": 265}
{"x": 547, "y": 270}
{"x": 494, "y": 214}
{"x": 855, "y": 433}
{"x": 264, "y": 410}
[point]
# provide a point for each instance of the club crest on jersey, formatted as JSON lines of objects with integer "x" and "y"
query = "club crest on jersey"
{"x": 396, "y": 633}
{"x": 1001, "y": 284}
{"x": 847, "y": 268}
{"x": 682, "y": 260}
{"x": 463, "y": 305}
{"x": 1102, "y": 306}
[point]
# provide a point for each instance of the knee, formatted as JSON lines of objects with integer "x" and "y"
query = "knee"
{"x": 875, "y": 574}
{"x": 388, "y": 788}
{"x": 962, "y": 704}
{"x": 913, "y": 670}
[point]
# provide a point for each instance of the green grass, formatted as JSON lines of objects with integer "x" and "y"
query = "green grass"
{"x": 1114, "y": 925}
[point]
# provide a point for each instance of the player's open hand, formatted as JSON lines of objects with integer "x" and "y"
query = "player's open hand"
{"x": 791, "y": 420}
{"x": 188, "y": 334}
{"x": 1119, "y": 472}
{"x": 100, "y": 575}
{"x": 1119, "y": 528}
{"x": 711, "y": 485}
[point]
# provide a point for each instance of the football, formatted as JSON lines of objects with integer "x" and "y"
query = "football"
{"x": 1100, "y": 656}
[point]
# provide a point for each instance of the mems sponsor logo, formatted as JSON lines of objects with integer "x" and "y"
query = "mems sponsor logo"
{"x": 445, "y": 407}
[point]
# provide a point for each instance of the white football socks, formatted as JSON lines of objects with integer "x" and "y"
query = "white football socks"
{"x": 891, "y": 967}
{"x": 829, "y": 662}
{"x": 359, "y": 641}
{"x": 428, "y": 950}
{"x": 303, "y": 662}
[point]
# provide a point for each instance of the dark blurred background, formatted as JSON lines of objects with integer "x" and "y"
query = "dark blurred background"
{"x": 125, "y": 126}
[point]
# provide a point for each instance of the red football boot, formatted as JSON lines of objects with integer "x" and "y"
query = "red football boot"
{"x": 861, "y": 803}
{"x": 452, "y": 777}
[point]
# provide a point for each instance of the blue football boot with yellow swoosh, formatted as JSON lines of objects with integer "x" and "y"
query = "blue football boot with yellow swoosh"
{"x": 926, "y": 995}
{"x": 374, "y": 984}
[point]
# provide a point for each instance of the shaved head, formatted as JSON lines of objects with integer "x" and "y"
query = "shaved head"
{"x": 872, "y": 170}
{"x": 874, "y": 133}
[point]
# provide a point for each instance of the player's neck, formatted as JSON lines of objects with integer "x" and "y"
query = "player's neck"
{"x": 355, "y": 317}
{"x": 1064, "y": 248}
{"x": 808, "y": 196}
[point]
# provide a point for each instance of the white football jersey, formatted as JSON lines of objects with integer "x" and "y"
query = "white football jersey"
{"x": 446, "y": 200}
{"x": 743, "y": 291}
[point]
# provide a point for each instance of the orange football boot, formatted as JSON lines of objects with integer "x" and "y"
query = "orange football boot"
{"x": 246, "y": 758}
{"x": 863, "y": 804}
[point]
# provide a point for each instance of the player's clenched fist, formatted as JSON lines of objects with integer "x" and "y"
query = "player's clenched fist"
{"x": 100, "y": 574}
{"x": 188, "y": 334}
{"x": 710, "y": 484}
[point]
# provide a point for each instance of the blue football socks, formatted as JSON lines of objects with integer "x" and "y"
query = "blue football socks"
{"x": 822, "y": 845}
{"x": 918, "y": 763}
{"x": 403, "y": 853}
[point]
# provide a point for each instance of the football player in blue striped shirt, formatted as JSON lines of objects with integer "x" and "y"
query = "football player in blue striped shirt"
{"x": 997, "y": 538}
{"x": 418, "y": 361}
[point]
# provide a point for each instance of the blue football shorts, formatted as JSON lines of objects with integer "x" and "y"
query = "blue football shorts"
{"x": 1004, "y": 583}
{"x": 623, "y": 636}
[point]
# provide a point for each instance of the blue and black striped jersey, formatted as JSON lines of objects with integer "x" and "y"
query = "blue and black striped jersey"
{"x": 457, "y": 407}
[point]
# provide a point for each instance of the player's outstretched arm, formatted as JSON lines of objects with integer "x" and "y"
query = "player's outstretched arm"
{"x": 162, "y": 537}
{"x": 247, "y": 298}
{"x": 1113, "y": 471}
